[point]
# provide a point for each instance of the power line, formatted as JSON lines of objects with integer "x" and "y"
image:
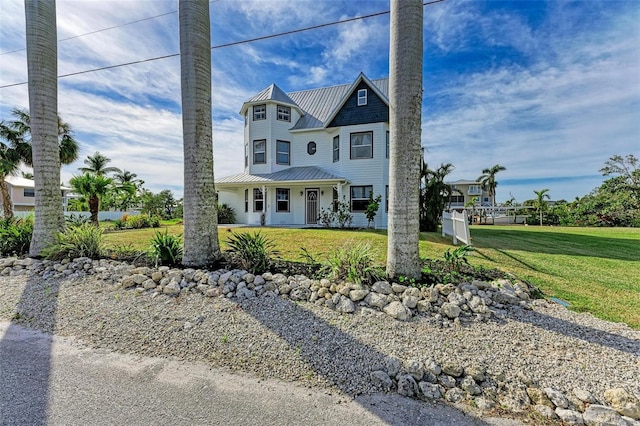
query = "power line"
{"x": 220, "y": 46}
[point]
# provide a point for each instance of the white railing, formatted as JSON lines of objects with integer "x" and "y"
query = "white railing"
{"x": 457, "y": 225}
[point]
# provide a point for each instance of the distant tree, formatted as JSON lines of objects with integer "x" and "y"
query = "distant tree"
{"x": 488, "y": 179}
{"x": 434, "y": 195}
{"x": 162, "y": 204}
{"x": 628, "y": 170}
{"x": 27, "y": 175}
{"x": 93, "y": 187}
{"x": 539, "y": 202}
{"x": 97, "y": 165}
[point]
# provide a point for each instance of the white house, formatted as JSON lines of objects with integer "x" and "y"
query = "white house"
{"x": 304, "y": 150}
{"x": 464, "y": 191}
{"x": 22, "y": 194}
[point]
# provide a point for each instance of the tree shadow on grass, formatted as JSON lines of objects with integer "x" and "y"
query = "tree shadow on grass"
{"x": 25, "y": 368}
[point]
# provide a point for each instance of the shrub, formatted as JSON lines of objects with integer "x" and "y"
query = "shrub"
{"x": 457, "y": 257}
{"x": 15, "y": 235}
{"x": 83, "y": 240}
{"x": 341, "y": 215}
{"x": 354, "y": 262}
{"x": 166, "y": 248}
{"x": 372, "y": 209}
{"x": 75, "y": 220}
{"x": 225, "y": 214}
{"x": 252, "y": 252}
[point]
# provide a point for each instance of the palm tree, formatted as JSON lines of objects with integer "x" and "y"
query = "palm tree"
{"x": 434, "y": 195}
{"x": 539, "y": 203}
{"x": 201, "y": 245}
{"x": 42, "y": 67}
{"x": 488, "y": 179}
{"x": 405, "y": 108}
{"x": 126, "y": 189}
{"x": 97, "y": 165}
{"x": 9, "y": 164}
{"x": 93, "y": 187}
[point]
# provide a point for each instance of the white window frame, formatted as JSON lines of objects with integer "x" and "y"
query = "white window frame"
{"x": 387, "y": 144}
{"x": 263, "y": 151}
{"x": 258, "y": 197}
{"x": 358, "y": 143}
{"x": 336, "y": 149}
{"x": 284, "y": 113}
{"x": 260, "y": 112}
{"x": 362, "y": 97}
{"x": 280, "y": 152}
{"x": 283, "y": 195}
{"x": 246, "y": 200}
{"x": 312, "y": 148}
{"x": 367, "y": 191}
{"x": 28, "y": 192}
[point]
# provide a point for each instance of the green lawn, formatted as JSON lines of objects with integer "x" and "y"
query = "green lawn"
{"x": 594, "y": 269}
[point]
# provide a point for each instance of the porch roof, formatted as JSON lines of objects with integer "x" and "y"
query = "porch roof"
{"x": 286, "y": 176}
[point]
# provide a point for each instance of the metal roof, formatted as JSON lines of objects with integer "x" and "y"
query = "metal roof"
{"x": 19, "y": 181}
{"x": 293, "y": 174}
{"x": 463, "y": 182}
{"x": 272, "y": 93}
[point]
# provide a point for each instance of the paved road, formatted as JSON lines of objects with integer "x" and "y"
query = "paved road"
{"x": 56, "y": 381}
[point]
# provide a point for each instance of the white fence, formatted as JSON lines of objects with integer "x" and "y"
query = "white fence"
{"x": 101, "y": 215}
{"x": 456, "y": 224}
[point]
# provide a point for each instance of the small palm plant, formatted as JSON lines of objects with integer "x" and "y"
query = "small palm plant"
{"x": 252, "y": 251}
{"x": 166, "y": 248}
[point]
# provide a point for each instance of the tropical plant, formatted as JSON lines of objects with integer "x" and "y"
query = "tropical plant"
{"x": 226, "y": 214}
{"x": 201, "y": 245}
{"x": 457, "y": 257}
{"x": 488, "y": 179}
{"x": 15, "y": 235}
{"x": 93, "y": 187}
{"x": 354, "y": 262}
{"x": 405, "y": 108}
{"x": 84, "y": 240}
{"x": 339, "y": 216}
{"x": 372, "y": 209}
{"x": 42, "y": 70}
{"x": 252, "y": 252}
{"x": 96, "y": 164}
{"x": 75, "y": 220}
{"x": 166, "y": 248}
{"x": 434, "y": 194}
{"x": 539, "y": 202}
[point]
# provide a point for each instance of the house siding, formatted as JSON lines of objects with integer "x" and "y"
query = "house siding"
{"x": 376, "y": 110}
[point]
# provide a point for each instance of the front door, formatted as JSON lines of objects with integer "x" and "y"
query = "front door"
{"x": 312, "y": 206}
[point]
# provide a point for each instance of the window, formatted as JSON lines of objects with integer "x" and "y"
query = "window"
{"x": 474, "y": 190}
{"x": 258, "y": 200}
{"x": 361, "y": 145}
{"x": 335, "y": 200}
{"x": 282, "y": 200}
{"x": 336, "y": 149}
{"x": 283, "y": 150}
{"x": 260, "y": 151}
{"x": 246, "y": 155}
{"x": 360, "y": 197}
{"x": 387, "y": 144}
{"x": 457, "y": 199}
{"x": 311, "y": 148}
{"x": 29, "y": 192}
{"x": 246, "y": 200}
{"x": 362, "y": 97}
{"x": 386, "y": 198}
{"x": 259, "y": 112}
{"x": 284, "y": 113}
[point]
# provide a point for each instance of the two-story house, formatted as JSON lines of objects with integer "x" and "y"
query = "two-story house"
{"x": 305, "y": 150}
{"x": 465, "y": 191}
{"x": 22, "y": 194}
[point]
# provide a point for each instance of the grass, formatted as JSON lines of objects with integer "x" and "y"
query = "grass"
{"x": 594, "y": 269}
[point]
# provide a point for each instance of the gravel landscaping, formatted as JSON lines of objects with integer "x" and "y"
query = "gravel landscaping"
{"x": 484, "y": 344}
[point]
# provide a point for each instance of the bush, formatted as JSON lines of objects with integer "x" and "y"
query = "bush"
{"x": 15, "y": 236}
{"x": 341, "y": 215}
{"x": 251, "y": 251}
{"x": 166, "y": 248}
{"x": 225, "y": 214}
{"x": 136, "y": 222}
{"x": 75, "y": 220}
{"x": 83, "y": 240}
{"x": 354, "y": 262}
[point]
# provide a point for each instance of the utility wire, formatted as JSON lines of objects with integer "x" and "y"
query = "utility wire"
{"x": 220, "y": 46}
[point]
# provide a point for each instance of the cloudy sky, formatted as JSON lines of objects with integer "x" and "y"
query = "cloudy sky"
{"x": 548, "y": 89}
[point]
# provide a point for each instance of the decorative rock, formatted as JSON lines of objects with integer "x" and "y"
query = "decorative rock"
{"x": 429, "y": 390}
{"x": 454, "y": 370}
{"x": 415, "y": 368}
{"x": 128, "y": 282}
{"x": 470, "y": 386}
{"x": 344, "y": 305}
{"x": 382, "y": 287}
{"x": 382, "y": 379}
{"x": 538, "y": 397}
{"x": 423, "y": 306}
{"x": 454, "y": 395}
{"x": 410, "y": 301}
{"x": 450, "y": 310}
{"x": 149, "y": 284}
{"x": 585, "y": 396}
{"x": 569, "y": 416}
{"x": 172, "y": 288}
{"x": 476, "y": 372}
{"x": 407, "y": 385}
{"x": 600, "y": 415}
{"x": 213, "y": 292}
{"x": 557, "y": 397}
{"x": 433, "y": 367}
{"x": 398, "y": 311}
{"x": 376, "y": 300}
{"x": 623, "y": 402}
{"x": 224, "y": 278}
{"x": 258, "y": 280}
{"x": 545, "y": 411}
{"x": 357, "y": 295}
{"x": 300, "y": 293}
{"x": 398, "y": 288}
{"x": 156, "y": 276}
{"x": 392, "y": 365}
{"x": 447, "y": 381}
{"x": 484, "y": 403}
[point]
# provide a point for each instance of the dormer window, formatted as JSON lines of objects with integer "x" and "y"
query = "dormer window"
{"x": 284, "y": 113}
{"x": 362, "y": 97}
{"x": 259, "y": 112}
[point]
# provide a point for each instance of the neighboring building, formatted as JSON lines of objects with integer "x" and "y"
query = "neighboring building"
{"x": 304, "y": 150}
{"x": 22, "y": 192}
{"x": 464, "y": 191}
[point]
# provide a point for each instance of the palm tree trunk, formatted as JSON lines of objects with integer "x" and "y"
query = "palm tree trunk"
{"x": 201, "y": 244}
{"x": 6, "y": 198}
{"x": 405, "y": 109}
{"x": 94, "y": 208}
{"x": 42, "y": 65}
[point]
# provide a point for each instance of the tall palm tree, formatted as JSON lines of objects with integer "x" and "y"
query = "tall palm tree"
{"x": 97, "y": 165}
{"x": 539, "y": 203}
{"x": 9, "y": 164}
{"x": 434, "y": 195}
{"x": 488, "y": 179}
{"x": 93, "y": 187}
{"x": 201, "y": 245}
{"x": 42, "y": 67}
{"x": 405, "y": 108}
{"x": 127, "y": 189}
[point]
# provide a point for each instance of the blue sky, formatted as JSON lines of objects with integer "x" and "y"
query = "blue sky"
{"x": 548, "y": 89}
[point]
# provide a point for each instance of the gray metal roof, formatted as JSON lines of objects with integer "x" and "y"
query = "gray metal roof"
{"x": 272, "y": 93}
{"x": 292, "y": 174}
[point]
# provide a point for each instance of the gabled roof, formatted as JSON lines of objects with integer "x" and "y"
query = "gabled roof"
{"x": 463, "y": 182}
{"x": 271, "y": 93}
{"x": 290, "y": 175}
{"x": 20, "y": 181}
